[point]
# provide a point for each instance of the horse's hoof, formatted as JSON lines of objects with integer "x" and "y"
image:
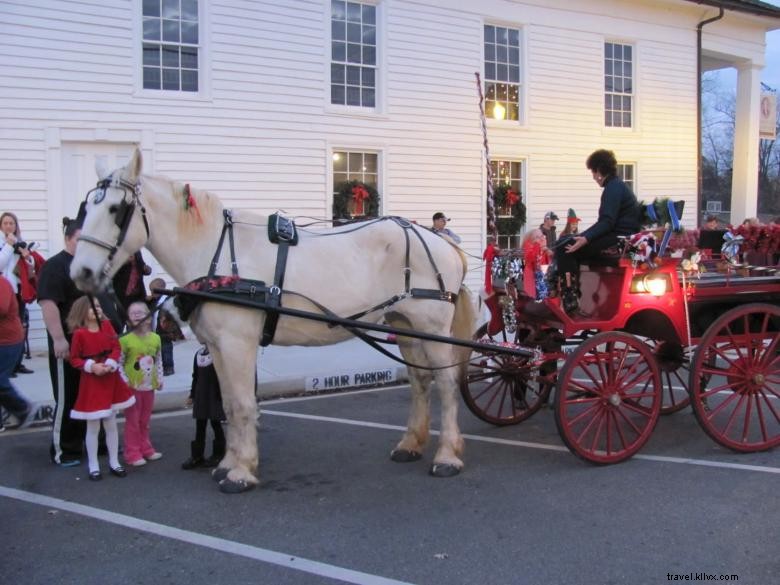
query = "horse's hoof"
{"x": 219, "y": 474}
{"x": 444, "y": 470}
{"x": 228, "y": 486}
{"x": 405, "y": 456}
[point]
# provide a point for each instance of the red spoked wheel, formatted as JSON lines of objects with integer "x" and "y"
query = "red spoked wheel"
{"x": 735, "y": 379}
{"x": 673, "y": 365}
{"x": 609, "y": 398}
{"x": 499, "y": 388}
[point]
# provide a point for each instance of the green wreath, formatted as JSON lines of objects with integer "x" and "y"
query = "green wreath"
{"x": 346, "y": 194}
{"x": 509, "y": 225}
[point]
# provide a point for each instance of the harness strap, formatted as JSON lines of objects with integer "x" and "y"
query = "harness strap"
{"x": 227, "y": 226}
{"x": 274, "y": 297}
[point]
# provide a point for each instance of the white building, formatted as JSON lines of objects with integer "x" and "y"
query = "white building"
{"x": 257, "y": 99}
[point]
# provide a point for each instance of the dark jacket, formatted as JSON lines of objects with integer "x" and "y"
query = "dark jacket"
{"x": 618, "y": 212}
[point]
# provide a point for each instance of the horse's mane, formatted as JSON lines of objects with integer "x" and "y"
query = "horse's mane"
{"x": 207, "y": 208}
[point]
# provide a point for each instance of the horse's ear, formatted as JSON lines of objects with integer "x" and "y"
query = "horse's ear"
{"x": 134, "y": 166}
{"x": 101, "y": 168}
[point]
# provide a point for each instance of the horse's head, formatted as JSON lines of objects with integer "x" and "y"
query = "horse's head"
{"x": 114, "y": 226}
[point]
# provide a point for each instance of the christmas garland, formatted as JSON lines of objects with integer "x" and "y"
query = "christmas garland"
{"x": 355, "y": 199}
{"x": 505, "y": 196}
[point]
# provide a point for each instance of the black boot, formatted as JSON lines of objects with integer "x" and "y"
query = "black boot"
{"x": 218, "y": 452}
{"x": 570, "y": 294}
{"x": 196, "y": 456}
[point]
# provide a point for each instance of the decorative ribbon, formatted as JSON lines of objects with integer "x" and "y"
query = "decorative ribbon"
{"x": 491, "y": 198}
{"x": 359, "y": 195}
{"x": 651, "y": 212}
{"x": 673, "y": 215}
{"x": 190, "y": 203}
{"x": 512, "y": 197}
{"x": 730, "y": 247}
{"x": 487, "y": 256}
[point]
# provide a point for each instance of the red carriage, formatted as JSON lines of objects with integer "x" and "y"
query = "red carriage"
{"x": 651, "y": 339}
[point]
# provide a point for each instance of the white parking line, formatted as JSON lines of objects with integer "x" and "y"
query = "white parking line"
{"x": 220, "y": 544}
{"x": 527, "y": 444}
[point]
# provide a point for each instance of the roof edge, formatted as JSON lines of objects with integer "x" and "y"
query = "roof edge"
{"x": 749, "y": 6}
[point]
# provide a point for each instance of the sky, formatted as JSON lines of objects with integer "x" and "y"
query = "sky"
{"x": 771, "y": 73}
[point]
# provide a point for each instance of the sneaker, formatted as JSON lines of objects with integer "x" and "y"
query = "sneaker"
{"x": 22, "y": 369}
{"x": 29, "y": 417}
{"x": 154, "y": 456}
{"x": 69, "y": 462}
{"x": 138, "y": 462}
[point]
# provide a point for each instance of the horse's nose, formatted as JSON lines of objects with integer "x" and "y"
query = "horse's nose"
{"x": 84, "y": 278}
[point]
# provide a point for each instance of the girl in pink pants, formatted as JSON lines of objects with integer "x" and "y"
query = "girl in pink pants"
{"x": 142, "y": 369}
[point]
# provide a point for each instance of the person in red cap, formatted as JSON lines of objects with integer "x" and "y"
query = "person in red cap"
{"x": 548, "y": 228}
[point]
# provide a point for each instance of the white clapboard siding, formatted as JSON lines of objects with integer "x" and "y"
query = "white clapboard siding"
{"x": 261, "y": 134}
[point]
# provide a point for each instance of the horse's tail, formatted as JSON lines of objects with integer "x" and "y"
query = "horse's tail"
{"x": 463, "y": 326}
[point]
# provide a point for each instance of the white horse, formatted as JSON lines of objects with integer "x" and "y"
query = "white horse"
{"x": 348, "y": 271}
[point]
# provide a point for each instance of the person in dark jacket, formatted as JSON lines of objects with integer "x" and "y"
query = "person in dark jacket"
{"x": 619, "y": 215}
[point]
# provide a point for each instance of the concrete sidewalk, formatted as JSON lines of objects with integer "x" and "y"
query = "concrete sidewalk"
{"x": 282, "y": 371}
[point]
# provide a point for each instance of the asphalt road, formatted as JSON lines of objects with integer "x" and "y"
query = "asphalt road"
{"x": 332, "y": 507}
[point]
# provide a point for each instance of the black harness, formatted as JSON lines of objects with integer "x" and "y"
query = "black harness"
{"x": 283, "y": 232}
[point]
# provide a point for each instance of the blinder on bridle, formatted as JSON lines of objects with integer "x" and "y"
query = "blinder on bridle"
{"x": 123, "y": 214}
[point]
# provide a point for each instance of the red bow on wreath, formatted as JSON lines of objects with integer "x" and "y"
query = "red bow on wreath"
{"x": 359, "y": 195}
{"x": 512, "y": 197}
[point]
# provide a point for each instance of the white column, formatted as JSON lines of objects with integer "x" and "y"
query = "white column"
{"x": 744, "y": 182}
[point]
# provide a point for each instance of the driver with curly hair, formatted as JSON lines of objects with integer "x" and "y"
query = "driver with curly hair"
{"x": 619, "y": 215}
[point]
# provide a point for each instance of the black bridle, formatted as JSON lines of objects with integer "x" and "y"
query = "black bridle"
{"x": 123, "y": 214}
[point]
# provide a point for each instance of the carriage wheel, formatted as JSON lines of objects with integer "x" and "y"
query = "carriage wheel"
{"x": 735, "y": 397}
{"x": 673, "y": 366}
{"x": 609, "y": 397}
{"x": 500, "y": 388}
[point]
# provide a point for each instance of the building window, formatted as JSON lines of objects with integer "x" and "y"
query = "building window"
{"x": 502, "y": 73}
{"x": 627, "y": 173}
{"x": 170, "y": 45}
{"x": 510, "y": 173}
{"x": 348, "y": 167}
{"x": 353, "y": 54}
{"x": 618, "y": 85}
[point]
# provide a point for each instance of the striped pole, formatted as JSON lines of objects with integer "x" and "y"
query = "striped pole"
{"x": 491, "y": 197}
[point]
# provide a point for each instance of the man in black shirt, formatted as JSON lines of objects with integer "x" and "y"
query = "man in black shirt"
{"x": 618, "y": 216}
{"x": 56, "y": 295}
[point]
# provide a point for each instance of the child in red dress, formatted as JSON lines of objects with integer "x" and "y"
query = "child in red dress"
{"x": 95, "y": 351}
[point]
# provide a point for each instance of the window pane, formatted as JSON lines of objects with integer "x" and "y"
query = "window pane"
{"x": 353, "y": 96}
{"x": 627, "y": 120}
{"x": 189, "y": 80}
{"x": 514, "y": 37}
{"x": 338, "y": 30}
{"x": 369, "y": 35}
{"x": 501, "y": 35}
{"x": 170, "y": 9}
{"x": 151, "y": 78}
{"x": 490, "y": 34}
{"x": 490, "y": 52}
{"x": 514, "y": 74}
{"x": 353, "y": 12}
{"x": 369, "y": 14}
{"x": 151, "y": 29}
{"x": 171, "y": 31}
{"x": 353, "y": 75}
{"x": 608, "y": 50}
{"x": 189, "y": 32}
{"x": 627, "y": 51}
{"x": 369, "y": 55}
{"x": 368, "y": 98}
{"x": 170, "y": 79}
{"x": 339, "y": 51}
{"x": 502, "y": 73}
{"x": 337, "y": 73}
{"x": 151, "y": 8}
{"x": 353, "y": 53}
{"x": 189, "y": 9}
{"x": 338, "y": 94}
{"x": 490, "y": 71}
{"x": 170, "y": 56}
{"x": 353, "y": 33}
{"x": 368, "y": 75}
{"x": 338, "y": 9}
{"x": 339, "y": 162}
{"x": 189, "y": 57}
{"x": 370, "y": 163}
{"x": 151, "y": 54}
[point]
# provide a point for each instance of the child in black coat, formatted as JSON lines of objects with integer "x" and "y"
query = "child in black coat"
{"x": 206, "y": 406}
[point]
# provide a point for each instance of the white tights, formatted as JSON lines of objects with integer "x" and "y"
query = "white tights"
{"x": 112, "y": 442}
